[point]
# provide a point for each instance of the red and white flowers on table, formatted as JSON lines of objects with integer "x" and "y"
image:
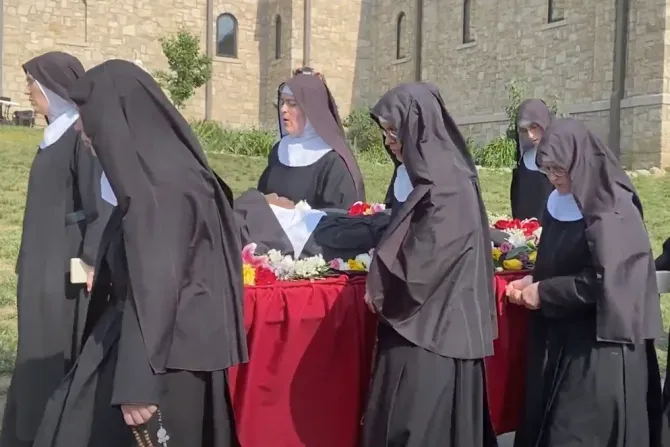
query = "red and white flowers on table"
{"x": 266, "y": 269}
{"x": 365, "y": 209}
{"x": 519, "y": 251}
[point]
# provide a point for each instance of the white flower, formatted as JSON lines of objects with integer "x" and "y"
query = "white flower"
{"x": 309, "y": 267}
{"x": 517, "y": 238}
{"x": 365, "y": 259}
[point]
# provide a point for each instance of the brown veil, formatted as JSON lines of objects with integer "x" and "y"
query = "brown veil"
{"x": 629, "y": 311}
{"x": 432, "y": 277}
{"x": 320, "y": 108}
{"x": 181, "y": 241}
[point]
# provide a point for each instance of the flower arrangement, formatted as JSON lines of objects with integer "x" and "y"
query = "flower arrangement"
{"x": 360, "y": 263}
{"x": 365, "y": 209}
{"x": 274, "y": 266}
{"x": 520, "y": 250}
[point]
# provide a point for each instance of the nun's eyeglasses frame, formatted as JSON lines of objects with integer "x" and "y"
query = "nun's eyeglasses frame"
{"x": 556, "y": 172}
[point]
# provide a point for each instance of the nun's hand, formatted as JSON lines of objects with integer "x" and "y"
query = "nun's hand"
{"x": 137, "y": 414}
{"x": 89, "y": 280}
{"x": 520, "y": 284}
{"x": 368, "y": 302}
{"x": 531, "y": 297}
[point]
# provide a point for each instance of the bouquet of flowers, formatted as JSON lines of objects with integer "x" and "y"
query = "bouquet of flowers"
{"x": 274, "y": 266}
{"x": 366, "y": 209}
{"x": 360, "y": 263}
{"x": 520, "y": 249}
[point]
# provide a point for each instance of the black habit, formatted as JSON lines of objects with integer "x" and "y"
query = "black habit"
{"x": 64, "y": 218}
{"x": 332, "y": 181}
{"x": 165, "y": 319}
{"x": 592, "y": 373}
{"x": 336, "y": 235}
{"x": 529, "y": 188}
{"x": 431, "y": 282}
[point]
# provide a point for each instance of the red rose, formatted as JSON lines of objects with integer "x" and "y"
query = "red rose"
{"x": 504, "y": 224}
{"x": 359, "y": 208}
{"x": 530, "y": 226}
{"x": 265, "y": 276}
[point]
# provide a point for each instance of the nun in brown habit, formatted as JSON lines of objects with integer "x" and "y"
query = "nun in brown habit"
{"x": 530, "y": 188}
{"x": 432, "y": 286}
{"x": 64, "y": 218}
{"x": 165, "y": 319}
{"x": 592, "y": 376}
{"x": 312, "y": 160}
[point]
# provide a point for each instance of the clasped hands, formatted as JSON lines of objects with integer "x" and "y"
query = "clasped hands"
{"x": 137, "y": 414}
{"x": 523, "y": 292}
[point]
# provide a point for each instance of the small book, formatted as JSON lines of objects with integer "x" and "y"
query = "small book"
{"x": 79, "y": 271}
{"x": 663, "y": 281}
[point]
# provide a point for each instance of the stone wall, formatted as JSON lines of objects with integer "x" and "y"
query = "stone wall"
{"x": 354, "y": 44}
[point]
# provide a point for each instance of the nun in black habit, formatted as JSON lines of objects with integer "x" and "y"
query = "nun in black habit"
{"x": 530, "y": 188}
{"x": 400, "y": 185}
{"x": 312, "y": 161}
{"x": 431, "y": 282}
{"x": 165, "y": 320}
{"x": 64, "y": 218}
{"x": 592, "y": 374}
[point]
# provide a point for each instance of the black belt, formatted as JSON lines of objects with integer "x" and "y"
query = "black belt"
{"x": 73, "y": 218}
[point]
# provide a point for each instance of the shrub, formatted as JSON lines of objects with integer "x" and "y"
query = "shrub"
{"x": 498, "y": 153}
{"x": 364, "y": 136}
{"x": 189, "y": 69}
{"x": 217, "y": 139}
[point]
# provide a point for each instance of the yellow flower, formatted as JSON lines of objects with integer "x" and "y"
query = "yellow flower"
{"x": 496, "y": 253}
{"x": 355, "y": 265}
{"x": 532, "y": 257}
{"x": 249, "y": 275}
{"x": 512, "y": 264}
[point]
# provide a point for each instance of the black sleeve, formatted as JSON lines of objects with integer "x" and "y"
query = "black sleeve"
{"x": 337, "y": 188}
{"x": 134, "y": 379}
{"x": 263, "y": 180}
{"x": 663, "y": 261}
{"x": 563, "y": 296}
{"x": 88, "y": 171}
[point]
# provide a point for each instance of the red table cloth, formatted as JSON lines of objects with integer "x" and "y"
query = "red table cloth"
{"x": 506, "y": 369}
{"x": 306, "y": 382}
{"x": 311, "y": 346}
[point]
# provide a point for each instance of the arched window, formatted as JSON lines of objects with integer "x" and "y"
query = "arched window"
{"x": 400, "y": 37}
{"x": 226, "y": 35}
{"x": 467, "y": 18}
{"x": 278, "y": 37}
{"x": 555, "y": 10}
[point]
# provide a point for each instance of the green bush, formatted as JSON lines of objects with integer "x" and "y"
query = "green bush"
{"x": 217, "y": 139}
{"x": 364, "y": 136}
{"x": 498, "y": 153}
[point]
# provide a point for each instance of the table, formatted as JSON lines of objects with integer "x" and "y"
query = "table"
{"x": 4, "y": 109}
{"x": 311, "y": 346}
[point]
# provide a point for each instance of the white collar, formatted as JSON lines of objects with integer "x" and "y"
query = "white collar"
{"x": 529, "y": 159}
{"x": 62, "y": 115}
{"x": 106, "y": 190}
{"x": 402, "y": 185}
{"x": 304, "y": 150}
{"x": 563, "y": 207}
{"x": 298, "y": 223}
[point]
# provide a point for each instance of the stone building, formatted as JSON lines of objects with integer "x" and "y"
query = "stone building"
{"x": 470, "y": 48}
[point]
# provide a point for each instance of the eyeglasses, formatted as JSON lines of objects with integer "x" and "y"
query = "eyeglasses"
{"x": 554, "y": 171}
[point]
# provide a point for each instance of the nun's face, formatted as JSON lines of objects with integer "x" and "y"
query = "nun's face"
{"x": 292, "y": 115}
{"x": 533, "y": 133}
{"x": 36, "y": 96}
{"x": 391, "y": 140}
{"x": 559, "y": 178}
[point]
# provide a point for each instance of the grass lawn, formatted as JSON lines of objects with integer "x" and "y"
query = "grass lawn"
{"x": 17, "y": 148}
